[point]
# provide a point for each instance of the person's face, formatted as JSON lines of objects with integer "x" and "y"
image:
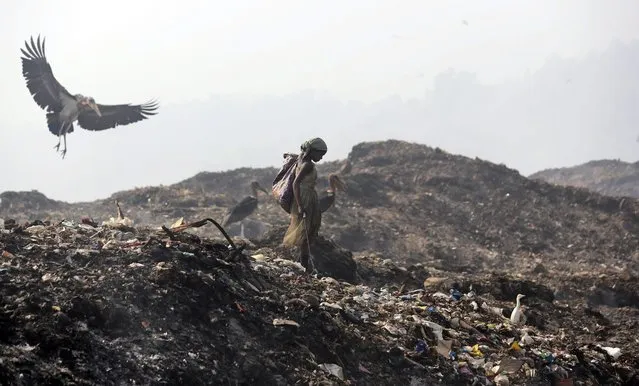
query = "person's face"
{"x": 316, "y": 156}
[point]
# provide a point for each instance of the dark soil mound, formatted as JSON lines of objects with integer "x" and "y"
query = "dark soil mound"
{"x": 609, "y": 177}
{"x": 418, "y": 266}
{"x": 87, "y": 305}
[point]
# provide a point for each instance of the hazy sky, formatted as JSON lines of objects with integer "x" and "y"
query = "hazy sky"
{"x": 179, "y": 52}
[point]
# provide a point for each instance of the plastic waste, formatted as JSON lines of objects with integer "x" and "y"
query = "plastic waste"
{"x": 455, "y": 294}
{"x": 502, "y": 380}
{"x": 333, "y": 369}
{"x": 526, "y": 339}
{"x": 437, "y": 329}
{"x": 612, "y": 351}
{"x": 421, "y": 346}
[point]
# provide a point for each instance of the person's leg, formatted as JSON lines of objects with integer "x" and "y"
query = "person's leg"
{"x": 312, "y": 224}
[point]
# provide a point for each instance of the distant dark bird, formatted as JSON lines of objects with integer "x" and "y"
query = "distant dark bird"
{"x": 327, "y": 199}
{"x": 244, "y": 208}
{"x": 64, "y": 108}
{"x": 464, "y": 22}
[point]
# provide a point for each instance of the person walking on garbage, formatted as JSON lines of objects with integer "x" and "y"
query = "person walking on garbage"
{"x": 306, "y": 217}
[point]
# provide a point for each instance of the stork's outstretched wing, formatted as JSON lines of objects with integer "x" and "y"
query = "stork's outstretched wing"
{"x": 243, "y": 209}
{"x": 43, "y": 86}
{"x": 326, "y": 201}
{"x": 116, "y": 115}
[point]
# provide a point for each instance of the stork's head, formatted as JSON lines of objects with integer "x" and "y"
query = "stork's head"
{"x": 336, "y": 183}
{"x": 347, "y": 167}
{"x": 89, "y": 102}
{"x": 255, "y": 186}
{"x": 520, "y": 296}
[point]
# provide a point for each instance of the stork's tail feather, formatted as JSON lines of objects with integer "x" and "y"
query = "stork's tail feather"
{"x": 54, "y": 123}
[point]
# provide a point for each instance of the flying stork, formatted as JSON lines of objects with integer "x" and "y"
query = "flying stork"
{"x": 244, "y": 208}
{"x": 328, "y": 198}
{"x": 64, "y": 108}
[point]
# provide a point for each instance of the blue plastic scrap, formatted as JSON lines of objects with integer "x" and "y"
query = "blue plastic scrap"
{"x": 421, "y": 346}
{"x": 455, "y": 294}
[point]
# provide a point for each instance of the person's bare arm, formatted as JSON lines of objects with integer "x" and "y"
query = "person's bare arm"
{"x": 306, "y": 168}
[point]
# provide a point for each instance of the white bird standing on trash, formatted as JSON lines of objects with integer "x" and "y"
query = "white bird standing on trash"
{"x": 517, "y": 316}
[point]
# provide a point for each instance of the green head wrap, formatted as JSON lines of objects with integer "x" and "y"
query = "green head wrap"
{"x": 317, "y": 144}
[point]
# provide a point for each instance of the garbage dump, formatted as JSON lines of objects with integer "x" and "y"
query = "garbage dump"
{"x": 87, "y": 303}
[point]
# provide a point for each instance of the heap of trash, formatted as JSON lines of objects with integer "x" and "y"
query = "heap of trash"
{"x": 112, "y": 303}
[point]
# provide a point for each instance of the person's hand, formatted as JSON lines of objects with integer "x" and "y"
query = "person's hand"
{"x": 301, "y": 212}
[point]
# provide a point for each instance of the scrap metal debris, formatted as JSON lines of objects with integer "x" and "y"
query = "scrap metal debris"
{"x": 419, "y": 264}
{"x": 179, "y": 309}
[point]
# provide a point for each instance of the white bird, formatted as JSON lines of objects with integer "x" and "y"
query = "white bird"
{"x": 517, "y": 315}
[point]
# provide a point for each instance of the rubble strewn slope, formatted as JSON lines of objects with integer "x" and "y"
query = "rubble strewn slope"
{"x": 419, "y": 265}
{"x": 609, "y": 177}
{"x": 118, "y": 305}
{"x": 411, "y": 203}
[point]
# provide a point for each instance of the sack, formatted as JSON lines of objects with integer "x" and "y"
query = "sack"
{"x": 283, "y": 182}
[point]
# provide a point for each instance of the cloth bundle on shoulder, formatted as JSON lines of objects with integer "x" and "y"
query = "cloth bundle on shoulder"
{"x": 283, "y": 182}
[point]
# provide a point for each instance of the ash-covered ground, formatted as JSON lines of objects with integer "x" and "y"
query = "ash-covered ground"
{"x": 87, "y": 305}
{"x": 419, "y": 266}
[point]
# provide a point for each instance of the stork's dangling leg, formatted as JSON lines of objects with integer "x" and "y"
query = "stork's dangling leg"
{"x": 62, "y": 134}
{"x": 242, "y": 229}
{"x": 64, "y": 152}
{"x": 57, "y": 147}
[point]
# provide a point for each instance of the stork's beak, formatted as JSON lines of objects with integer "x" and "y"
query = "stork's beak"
{"x": 262, "y": 189}
{"x": 338, "y": 183}
{"x": 95, "y": 108}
